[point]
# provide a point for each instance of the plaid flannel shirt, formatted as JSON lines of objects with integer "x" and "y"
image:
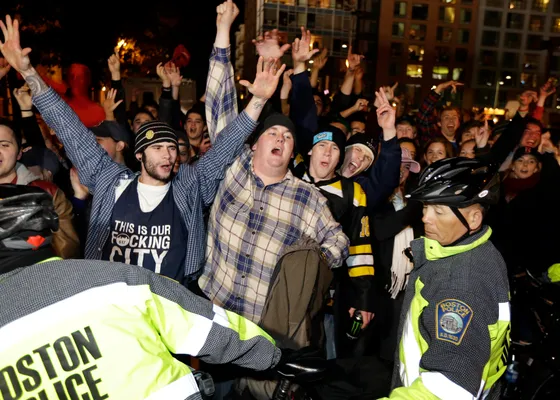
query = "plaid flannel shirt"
{"x": 221, "y": 97}
{"x": 426, "y": 120}
{"x": 250, "y": 227}
{"x": 194, "y": 187}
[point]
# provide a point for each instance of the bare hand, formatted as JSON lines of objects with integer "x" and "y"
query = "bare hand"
{"x": 266, "y": 80}
{"x": 359, "y": 73}
{"x": 481, "y": 137}
{"x": 321, "y": 59}
{"x": 385, "y": 112}
{"x": 361, "y": 105}
{"x": 80, "y": 191}
{"x": 114, "y": 63}
{"x": 174, "y": 74}
{"x": 353, "y": 60}
{"x": 162, "y": 73}
{"x": 268, "y": 46}
{"x": 11, "y": 48}
{"x": 300, "y": 47}
{"x": 547, "y": 89}
{"x": 109, "y": 103}
{"x": 453, "y": 84}
{"x": 4, "y": 67}
{"x": 366, "y": 315}
{"x": 23, "y": 97}
{"x": 287, "y": 82}
{"x": 227, "y": 12}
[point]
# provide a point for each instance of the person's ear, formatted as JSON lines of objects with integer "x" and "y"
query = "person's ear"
{"x": 475, "y": 217}
{"x": 120, "y": 146}
{"x": 139, "y": 157}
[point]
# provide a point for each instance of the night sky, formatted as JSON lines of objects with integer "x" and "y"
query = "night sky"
{"x": 89, "y": 30}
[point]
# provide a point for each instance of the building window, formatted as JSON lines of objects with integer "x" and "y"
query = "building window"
{"x": 415, "y": 52}
{"x": 463, "y": 36}
{"x": 398, "y": 30}
{"x": 400, "y": 9}
{"x": 461, "y": 55}
{"x": 540, "y": 5}
{"x": 490, "y": 38}
{"x": 447, "y": 15}
{"x": 458, "y": 74}
{"x": 488, "y": 58}
{"x": 556, "y": 7}
{"x": 534, "y": 42}
{"x": 555, "y": 64}
{"x": 417, "y": 32}
{"x": 444, "y": 34}
{"x": 512, "y": 40}
{"x": 440, "y": 72}
{"x": 495, "y": 3}
{"x": 443, "y": 54}
{"x": 466, "y": 16}
{"x": 508, "y": 78}
{"x": 311, "y": 21}
{"x": 394, "y": 69}
{"x": 515, "y": 21}
{"x": 517, "y": 4}
{"x": 414, "y": 70}
{"x": 510, "y": 60}
{"x": 493, "y": 18}
{"x": 536, "y": 23}
{"x": 420, "y": 11}
{"x": 466, "y": 2}
{"x": 397, "y": 49}
{"x": 528, "y": 80}
{"x": 486, "y": 77}
{"x": 556, "y": 24}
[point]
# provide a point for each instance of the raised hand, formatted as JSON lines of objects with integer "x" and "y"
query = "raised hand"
{"x": 268, "y": 46}
{"x": 354, "y": 60}
{"x": 11, "y": 48}
{"x": 162, "y": 73}
{"x": 109, "y": 104}
{"x": 361, "y": 105}
{"x": 321, "y": 59}
{"x": 4, "y": 67}
{"x": 114, "y": 64}
{"x": 23, "y": 97}
{"x": 226, "y": 14}
{"x": 547, "y": 89}
{"x": 359, "y": 73}
{"x": 266, "y": 81}
{"x": 482, "y": 135}
{"x": 389, "y": 93}
{"x": 300, "y": 47}
{"x": 287, "y": 82}
{"x": 174, "y": 74}
{"x": 385, "y": 112}
{"x": 443, "y": 86}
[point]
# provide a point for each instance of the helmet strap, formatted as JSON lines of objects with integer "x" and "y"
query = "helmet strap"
{"x": 462, "y": 219}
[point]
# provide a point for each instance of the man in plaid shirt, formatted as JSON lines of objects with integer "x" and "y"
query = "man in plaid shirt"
{"x": 261, "y": 208}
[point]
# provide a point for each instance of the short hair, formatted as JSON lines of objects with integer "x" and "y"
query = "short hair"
{"x": 197, "y": 108}
{"x": 449, "y": 152}
{"x": 15, "y": 131}
{"x": 534, "y": 121}
{"x": 466, "y": 127}
{"x": 452, "y": 108}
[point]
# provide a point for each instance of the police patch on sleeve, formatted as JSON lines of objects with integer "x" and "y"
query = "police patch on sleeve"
{"x": 452, "y": 320}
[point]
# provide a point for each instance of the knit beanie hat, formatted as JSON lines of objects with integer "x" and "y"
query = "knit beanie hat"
{"x": 153, "y": 132}
{"x": 270, "y": 121}
{"x": 365, "y": 141}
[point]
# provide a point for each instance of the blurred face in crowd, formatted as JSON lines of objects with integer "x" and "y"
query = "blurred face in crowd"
{"x": 342, "y": 127}
{"x": 525, "y": 98}
{"x": 405, "y": 130}
{"x": 436, "y": 151}
{"x": 140, "y": 119}
{"x": 356, "y": 160}
{"x": 404, "y": 173}
{"x": 531, "y": 136}
{"x": 547, "y": 144}
{"x": 524, "y": 167}
{"x": 469, "y": 135}
{"x": 183, "y": 155}
{"x": 410, "y": 147}
{"x": 318, "y": 104}
{"x": 158, "y": 161}
{"x": 449, "y": 122}
{"x": 42, "y": 173}
{"x": 324, "y": 159}
{"x": 273, "y": 150}
{"x": 9, "y": 152}
{"x": 153, "y": 110}
{"x": 110, "y": 146}
{"x": 357, "y": 127}
{"x": 442, "y": 225}
{"x": 468, "y": 149}
{"x": 194, "y": 126}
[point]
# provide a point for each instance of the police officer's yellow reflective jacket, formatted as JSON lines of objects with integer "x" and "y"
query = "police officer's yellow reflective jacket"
{"x": 454, "y": 329}
{"x": 94, "y": 330}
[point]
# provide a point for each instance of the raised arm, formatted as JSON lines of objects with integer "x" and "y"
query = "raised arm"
{"x": 221, "y": 97}
{"x": 79, "y": 143}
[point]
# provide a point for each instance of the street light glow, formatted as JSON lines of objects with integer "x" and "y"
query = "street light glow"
{"x": 508, "y": 77}
{"x": 501, "y": 82}
{"x": 344, "y": 46}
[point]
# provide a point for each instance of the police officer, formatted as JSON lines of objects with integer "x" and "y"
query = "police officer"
{"x": 99, "y": 330}
{"x": 454, "y": 330}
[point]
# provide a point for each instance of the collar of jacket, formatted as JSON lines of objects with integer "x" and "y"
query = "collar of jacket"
{"x": 435, "y": 251}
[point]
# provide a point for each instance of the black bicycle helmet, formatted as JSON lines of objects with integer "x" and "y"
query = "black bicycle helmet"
{"x": 27, "y": 217}
{"x": 458, "y": 182}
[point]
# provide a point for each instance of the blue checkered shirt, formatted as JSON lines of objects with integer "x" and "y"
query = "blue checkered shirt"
{"x": 194, "y": 187}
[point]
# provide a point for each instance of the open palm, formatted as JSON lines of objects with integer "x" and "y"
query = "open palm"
{"x": 266, "y": 81}
{"x": 268, "y": 46}
{"x": 11, "y": 48}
